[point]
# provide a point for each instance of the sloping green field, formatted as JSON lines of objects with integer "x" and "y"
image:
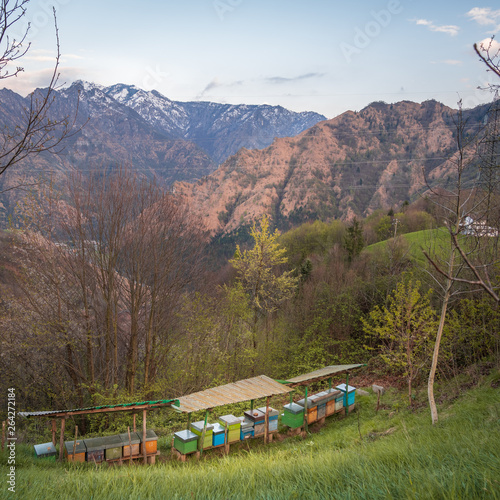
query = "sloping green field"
{"x": 430, "y": 240}
{"x": 393, "y": 454}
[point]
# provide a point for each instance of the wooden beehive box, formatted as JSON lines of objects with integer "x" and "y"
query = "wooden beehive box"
{"x": 135, "y": 442}
{"x": 113, "y": 447}
{"x": 293, "y": 415}
{"x": 197, "y": 428}
{"x": 233, "y": 425}
{"x": 80, "y": 450}
{"x": 48, "y": 450}
{"x": 186, "y": 442}
{"x": 151, "y": 442}
{"x": 349, "y": 394}
{"x": 256, "y": 416}
{"x": 218, "y": 435}
{"x": 321, "y": 411}
{"x": 312, "y": 414}
{"x": 95, "y": 449}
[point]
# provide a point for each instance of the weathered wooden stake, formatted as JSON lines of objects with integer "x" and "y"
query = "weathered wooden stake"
{"x": 135, "y": 430}
{"x": 61, "y": 439}
{"x": 129, "y": 446}
{"x": 306, "y": 414}
{"x": 74, "y": 442}
{"x": 347, "y": 393}
{"x": 144, "y": 452}
{"x": 266, "y": 422}
{"x": 54, "y": 430}
{"x": 202, "y": 440}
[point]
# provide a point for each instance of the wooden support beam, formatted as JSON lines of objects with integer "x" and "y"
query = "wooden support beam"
{"x": 202, "y": 439}
{"x": 266, "y": 422}
{"x": 135, "y": 415}
{"x": 306, "y": 415}
{"x": 74, "y": 442}
{"x": 144, "y": 453}
{"x": 54, "y": 431}
{"x": 61, "y": 439}
{"x": 346, "y": 404}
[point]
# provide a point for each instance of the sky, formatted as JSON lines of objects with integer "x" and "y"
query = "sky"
{"x": 326, "y": 56}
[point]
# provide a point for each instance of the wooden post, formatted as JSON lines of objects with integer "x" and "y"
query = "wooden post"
{"x": 144, "y": 452}
{"x": 266, "y": 422}
{"x": 306, "y": 415}
{"x": 135, "y": 430}
{"x": 3, "y": 435}
{"x": 202, "y": 439}
{"x": 347, "y": 393}
{"x": 61, "y": 439}
{"x": 129, "y": 446}
{"x": 226, "y": 444}
{"x": 54, "y": 430}
{"x": 74, "y": 442}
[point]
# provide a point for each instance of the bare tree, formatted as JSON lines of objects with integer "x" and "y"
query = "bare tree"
{"x": 489, "y": 54}
{"x": 37, "y": 129}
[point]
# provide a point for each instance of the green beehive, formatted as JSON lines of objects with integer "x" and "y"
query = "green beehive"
{"x": 185, "y": 442}
{"x": 46, "y": 450}
{"x": 197, "y": 428}
{"x": 293, "y": 415}
{"x": 233, "y": 425}
{"x": 113, "y": 447}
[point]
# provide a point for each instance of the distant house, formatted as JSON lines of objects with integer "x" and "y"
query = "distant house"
{"x": 478, "y": 228}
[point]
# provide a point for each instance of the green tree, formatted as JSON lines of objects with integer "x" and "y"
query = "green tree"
{"x": 404, "y": 329}
{"x": 258, "y": 272}
{"x": 353, "y": 240}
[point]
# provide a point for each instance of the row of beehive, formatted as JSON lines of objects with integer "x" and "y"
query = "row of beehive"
{"x": 319, "y": 405}
{"x": 100, "y": 449}
{"x": 252, "y": 424}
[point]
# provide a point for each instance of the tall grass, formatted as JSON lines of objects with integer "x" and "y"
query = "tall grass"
{"x": 392, "y": 454}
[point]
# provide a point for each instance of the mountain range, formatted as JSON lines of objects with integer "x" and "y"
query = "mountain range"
{"x": 349, "y": 166}
{"x": 123, "y": 125}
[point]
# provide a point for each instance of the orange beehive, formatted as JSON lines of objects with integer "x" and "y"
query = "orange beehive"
{"x": 151, "y": 442}
{"x": 312, "y": 415}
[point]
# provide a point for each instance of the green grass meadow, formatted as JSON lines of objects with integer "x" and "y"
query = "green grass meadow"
{"x": 393, "y": 454}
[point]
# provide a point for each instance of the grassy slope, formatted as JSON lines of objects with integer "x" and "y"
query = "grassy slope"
{"x": 458, "y": 458}
{"x": 431, "y": 240}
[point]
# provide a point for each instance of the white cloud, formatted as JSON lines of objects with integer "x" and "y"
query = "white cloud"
{"x": 452, "y": 62}
{"x": 489, "y": 45}
{"x": 485, "y": 16}
{"x": 449, "y": 29}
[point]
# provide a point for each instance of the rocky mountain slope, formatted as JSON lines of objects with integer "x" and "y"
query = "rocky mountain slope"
{"x": 218, "y": 129}
{"x": 125, "y": 126}
{"x": 352, "y": 164}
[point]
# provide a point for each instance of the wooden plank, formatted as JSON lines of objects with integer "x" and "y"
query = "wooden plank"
{"x": 74, "y": 442}
{"x": 54, "y": 431}
{"x": 144, "y": 452}
{"x": 61, "y": 439}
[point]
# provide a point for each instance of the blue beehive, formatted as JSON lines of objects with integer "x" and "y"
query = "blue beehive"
{"x": 218, "y": 435}
{"x": 349, "y": 395}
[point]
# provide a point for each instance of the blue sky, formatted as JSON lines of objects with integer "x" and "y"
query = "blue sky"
{"x": 321, "y": 55}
